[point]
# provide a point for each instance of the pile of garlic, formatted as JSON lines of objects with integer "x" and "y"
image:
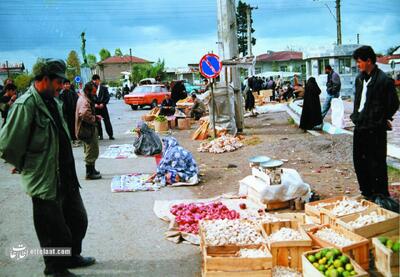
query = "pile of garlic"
{"x": 348, "y": 206}
{"x": 364, "y": 220}
{"x": 225, "y": 232}
{"x": 225, "y": 143}
{"x": 329, "y": 235}
{"x": 253, "y": 253}
{"x": 260, "y": 218}
{"x": 285, "y": 234}
{"x": 281, "y": 271}
{"x": 324, "y": 204}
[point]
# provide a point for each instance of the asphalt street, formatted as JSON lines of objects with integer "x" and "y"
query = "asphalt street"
{"x": 124, "y": 235}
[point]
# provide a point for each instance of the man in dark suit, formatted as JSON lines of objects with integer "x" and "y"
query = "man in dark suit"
{"x": 101, "y": 101}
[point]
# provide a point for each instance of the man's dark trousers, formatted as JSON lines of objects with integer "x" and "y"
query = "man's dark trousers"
{"x": 106, "y": 118}
{"x": 60, "y": 223}
{"x": 369, "y": 156}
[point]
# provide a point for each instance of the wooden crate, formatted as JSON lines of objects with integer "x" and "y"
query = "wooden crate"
{"x": 234, "y": 263}
{"x": 390, "y": 224}
{"x": 359, "y": 251}
{"x": 310, "y": 271}
{"x": 287, "y": 253}
{"x": 254, "y": 273}
{"x": 312, "y": 210}
{"x": 326, "y": 216}
{"x": 299, "y": 217}
{"x": 227, "y": 249}
{"x": 386, "y": 261}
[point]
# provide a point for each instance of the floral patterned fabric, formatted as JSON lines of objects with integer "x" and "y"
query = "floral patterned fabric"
{"x": 177, "y": 161}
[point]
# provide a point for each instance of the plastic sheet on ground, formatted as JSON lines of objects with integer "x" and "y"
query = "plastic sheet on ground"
{"x": 133, "y": 182}
{"x": 162, "y": 210}
{"x": 271, "y": 108}
{"x": 292, "y": 187}
{"x": 123, "y": 151}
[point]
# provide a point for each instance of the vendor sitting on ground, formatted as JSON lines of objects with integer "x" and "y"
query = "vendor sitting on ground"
{"x": 147, "y": 143}
{"x": 198, "y": 108}
{"x": 167, "y": 106}
{"x": 177, "y": 164}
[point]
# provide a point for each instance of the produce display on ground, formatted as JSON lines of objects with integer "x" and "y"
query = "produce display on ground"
{"x": 228, "y": 232}
{"x": 332, "y": 263}
{"x": 123, "y": 151}
{"x": 133, "y": 182}
{"x": 253, "y": 253}
{"x": 187, "y": 216}
{"x": 390, "y": 244}
{"x": 285, "y": 234}
{"x": 329, "y": 235}
{"x": 347, "y": 206}
{"x": 364, "y": 220}
{"x": 225, "y": 143}
{"x": 281, "y": 271}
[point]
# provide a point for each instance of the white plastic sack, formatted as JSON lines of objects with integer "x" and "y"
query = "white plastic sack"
{"x": 337, "y": 113}
{"x": 292, "y": 187}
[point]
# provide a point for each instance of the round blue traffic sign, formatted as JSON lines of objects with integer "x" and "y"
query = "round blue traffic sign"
{"x": 210, "y": 66}
{"x": 77, "y": 79}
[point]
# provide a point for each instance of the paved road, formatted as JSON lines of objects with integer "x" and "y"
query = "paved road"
{"x": 124, "y": 234}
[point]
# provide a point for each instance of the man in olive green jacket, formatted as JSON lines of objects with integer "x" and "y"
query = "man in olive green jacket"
{"x": 36, "y": 141}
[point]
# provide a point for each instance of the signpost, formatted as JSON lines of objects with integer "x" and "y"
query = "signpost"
{"x": 210, "y": 67}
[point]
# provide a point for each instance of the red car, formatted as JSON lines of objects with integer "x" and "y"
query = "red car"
{"x": 147, "y": 95}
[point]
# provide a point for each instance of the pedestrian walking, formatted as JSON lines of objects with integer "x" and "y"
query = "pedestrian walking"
{"x": 375, "y": 103}
{"x": 39, "y": 147}
{"x": 333, "y": 85}
{"x": 69, "y": 98}
{"x": 86, "y": 129}
{"x": 248, "y": 92}
{"x": 101, "y": 100}
{"x": 311, "y": 113}
{"x": 7, "y": 100}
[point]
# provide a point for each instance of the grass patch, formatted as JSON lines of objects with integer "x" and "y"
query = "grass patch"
{"x": 393, "y": 174}
{"x": 291, "y": 121}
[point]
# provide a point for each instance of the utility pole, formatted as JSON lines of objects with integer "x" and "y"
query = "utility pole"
{"x": 8, "y": 71}
{"x": 248, "y": 16}
{"x": 358, "y": 38}
{"x": 338, "y": 23}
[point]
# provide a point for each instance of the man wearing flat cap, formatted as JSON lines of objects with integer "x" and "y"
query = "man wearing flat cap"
{"x": 37, "y": 142}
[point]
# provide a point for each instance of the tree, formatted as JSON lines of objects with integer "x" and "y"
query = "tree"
{"x": 73, "y": 65}
{"x": 118, "y": 52}
{"x": 23, "y": 81}
{"x": 104, "y": 54}
{"x": 91, "y": 60}
{"x": 241, "y": 19}
{"x": 141, "y": 71}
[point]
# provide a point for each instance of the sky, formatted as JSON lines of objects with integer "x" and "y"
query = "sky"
{"x": 182, "y": 31}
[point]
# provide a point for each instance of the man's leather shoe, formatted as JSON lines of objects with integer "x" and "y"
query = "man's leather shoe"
{"x": 100, "y": 138}
{"x": 112, "y": 138}
{"x": 79, "y": 261}
{"x": 62, "y": 273}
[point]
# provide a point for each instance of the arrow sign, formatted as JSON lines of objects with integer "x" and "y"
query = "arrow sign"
{"x": 210, "y": 66}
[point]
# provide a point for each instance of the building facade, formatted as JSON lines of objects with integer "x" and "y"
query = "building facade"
{"x": 339, "y": 57}
{"x": 7, "y": 70}
{"x": 284, "y": 61}
{"x": 111, "y": 69}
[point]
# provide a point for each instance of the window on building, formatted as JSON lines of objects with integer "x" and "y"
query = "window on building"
{"x": 284, "y": 68}
{"x": 321, "y": 65}
{"x": 257, "y": 70}
{"x": 303, "y": 70}
{"x": 345, "y": 66}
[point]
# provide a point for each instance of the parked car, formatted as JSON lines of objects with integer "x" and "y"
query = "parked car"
{"x": 191, "y": 88}
{"x": 147, "y": 95}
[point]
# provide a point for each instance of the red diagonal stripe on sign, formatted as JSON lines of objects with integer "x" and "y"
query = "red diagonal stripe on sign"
{"x": 210, "y": 65}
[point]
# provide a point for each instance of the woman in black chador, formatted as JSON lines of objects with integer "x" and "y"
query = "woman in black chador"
{"x": 311, "y": 115}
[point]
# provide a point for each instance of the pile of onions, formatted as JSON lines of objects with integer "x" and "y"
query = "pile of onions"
{"x": 187, "y": 216}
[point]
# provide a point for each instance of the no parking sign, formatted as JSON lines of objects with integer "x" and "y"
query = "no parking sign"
{"x": 210, "y": 66}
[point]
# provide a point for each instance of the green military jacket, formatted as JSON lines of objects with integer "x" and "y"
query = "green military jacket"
{"x": 29, "y": 141}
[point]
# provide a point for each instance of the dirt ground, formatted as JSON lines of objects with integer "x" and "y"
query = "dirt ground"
{"x": 325, "y": 161}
